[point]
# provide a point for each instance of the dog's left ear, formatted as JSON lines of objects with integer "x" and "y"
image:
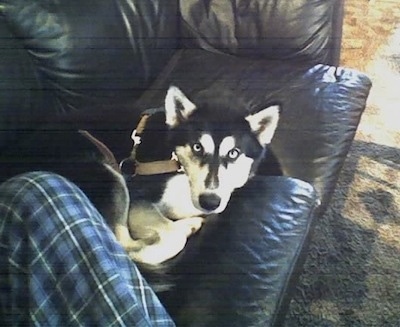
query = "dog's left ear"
{"x": 264, "y": 123}
{"x": 177, "y": 107}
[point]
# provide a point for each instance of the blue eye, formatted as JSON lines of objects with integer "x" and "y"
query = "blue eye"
{"x": 197, "y": 147}
{"x": 233, "y": 154}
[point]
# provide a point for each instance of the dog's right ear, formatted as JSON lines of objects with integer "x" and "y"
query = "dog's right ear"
{"x": 264, "y": 123}
{"x": 177, "y": 107}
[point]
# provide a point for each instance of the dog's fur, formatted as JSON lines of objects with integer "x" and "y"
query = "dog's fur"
{"x": 218, "y": 146}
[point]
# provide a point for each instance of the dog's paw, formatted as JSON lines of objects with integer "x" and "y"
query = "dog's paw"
{"x": 189, "y": 226}
{"x": 168, "y": 247}
{"x": 171, "y": 241}
{"x": 150, "y": 237}
{"x": 146, "y": 238}
{"x": 147, "y": 235}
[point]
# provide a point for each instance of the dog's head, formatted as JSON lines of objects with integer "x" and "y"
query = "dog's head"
{"x": 217, "y": 144}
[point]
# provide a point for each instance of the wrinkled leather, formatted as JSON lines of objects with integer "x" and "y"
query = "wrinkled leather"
{"x": 236, "y": 270}
{"x": 96, "y": 54}
{"x": 319, "y": 124}
{"x": 259, "y": 28}
{"x": 22, "y": 102}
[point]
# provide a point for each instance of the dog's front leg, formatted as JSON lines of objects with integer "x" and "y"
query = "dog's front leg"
{"x": 145, "y": 219}
{"x": 188, "y": 226}
{"x": 172, "y": 241}
{"x": 129, "y": 244}
{"x": 116, "y": 210}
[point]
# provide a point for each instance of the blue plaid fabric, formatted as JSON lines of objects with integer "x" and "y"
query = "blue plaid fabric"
{"x": 60, "y": 264}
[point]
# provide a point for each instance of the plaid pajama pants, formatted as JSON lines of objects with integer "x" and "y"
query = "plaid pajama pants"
{"x": 60, "y": 264}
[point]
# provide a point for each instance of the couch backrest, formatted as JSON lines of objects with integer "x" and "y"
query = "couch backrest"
{"x": 271, "y": 29}
{"x": 108, "y": 52}
{"x": 102, "y": 55}
{"x": 95, "y": 53}
{"x": 22, "y": 100}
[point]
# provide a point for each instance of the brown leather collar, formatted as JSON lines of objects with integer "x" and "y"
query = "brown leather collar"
{"x": 148, "y": 168}
{"x": 157, "y": 167}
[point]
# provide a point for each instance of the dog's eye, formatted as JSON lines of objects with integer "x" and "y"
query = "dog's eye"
{"x": 197, "y": 147}
{"x": 233, "y": 154}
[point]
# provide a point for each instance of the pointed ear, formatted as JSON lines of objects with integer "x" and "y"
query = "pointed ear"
{"x": 264, "y": 123}
{"x": 177, "y": 107}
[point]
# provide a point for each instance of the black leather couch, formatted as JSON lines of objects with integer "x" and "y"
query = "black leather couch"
{"x": 98, "y": 64}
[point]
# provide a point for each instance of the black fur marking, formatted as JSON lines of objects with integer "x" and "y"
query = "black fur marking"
{"x": 148, "y": 188}
{"x": 220, "y": 115}
{"x": 154, "y": 140}
{"x": 212, "y": 180}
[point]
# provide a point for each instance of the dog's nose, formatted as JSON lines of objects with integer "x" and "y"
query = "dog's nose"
{"x": 209, "y": 201}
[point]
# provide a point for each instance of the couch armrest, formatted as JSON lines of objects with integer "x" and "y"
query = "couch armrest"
{"x": 237, "y": 270}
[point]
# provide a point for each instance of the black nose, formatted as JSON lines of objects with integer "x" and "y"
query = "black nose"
{"x": 209, "y": 201}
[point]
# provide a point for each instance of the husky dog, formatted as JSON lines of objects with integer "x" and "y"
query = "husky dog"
{"x": 218, "y": 148}
{"x": 189, "y": 159}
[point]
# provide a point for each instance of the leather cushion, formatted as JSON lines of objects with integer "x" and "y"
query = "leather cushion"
{"x": 22, "y": 102}
{"x": 237, "y": 269}
{"x": 260, "y": 28}
{"x": 96, "y": 54}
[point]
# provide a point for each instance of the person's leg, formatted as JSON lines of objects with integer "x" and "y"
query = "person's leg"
{"x": 61, "y": 265}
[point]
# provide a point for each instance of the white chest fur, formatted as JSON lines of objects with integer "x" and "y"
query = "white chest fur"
{"x": 176, "y": 201}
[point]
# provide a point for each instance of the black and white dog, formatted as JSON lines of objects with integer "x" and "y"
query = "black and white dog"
{"x": 216, "y": 148}
{"x": 188, "y": 158}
